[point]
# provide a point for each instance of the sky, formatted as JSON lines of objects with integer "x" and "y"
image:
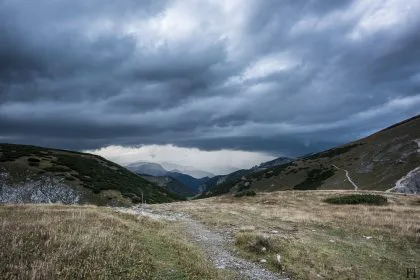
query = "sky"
{"x": 211, "y": 84}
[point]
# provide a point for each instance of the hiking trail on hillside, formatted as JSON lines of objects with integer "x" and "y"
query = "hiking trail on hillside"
{"x": 215, "y": 244}
{"x": 348, "y": 177}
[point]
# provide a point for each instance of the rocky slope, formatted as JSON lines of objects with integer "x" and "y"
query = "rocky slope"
{"x": 35, "y": 175}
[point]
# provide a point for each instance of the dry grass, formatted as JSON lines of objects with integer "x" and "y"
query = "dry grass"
{"x": 318, "y": 240}
{"x": 63, "y": 242}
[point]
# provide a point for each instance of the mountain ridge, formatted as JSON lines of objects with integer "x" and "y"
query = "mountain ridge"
{"x": 383, "y": 161}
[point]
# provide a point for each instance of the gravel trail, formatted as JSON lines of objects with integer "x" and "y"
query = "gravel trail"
{"x": 216, "y": 245}
{"x": 348, "y": 177}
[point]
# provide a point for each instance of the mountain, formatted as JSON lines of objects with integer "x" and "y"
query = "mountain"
{"x": 388, "y": 160}
{"x": 147, "y": 168}
{"x": 30, "y": 174}
{"x": 186, "y": 170}
{"x": 154, "y": 169}
{"x": 171, "y": 184}
{"x": 194, "y": 184}
{"x": 222, "y": 183}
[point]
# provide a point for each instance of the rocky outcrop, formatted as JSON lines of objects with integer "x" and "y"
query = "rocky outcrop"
{"x": 410, "y": 183}
{"x": 43, "y": 190}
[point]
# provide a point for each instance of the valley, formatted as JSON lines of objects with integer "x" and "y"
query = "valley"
{"x": 209, "y": 140}
{"x": 350, "y": 212}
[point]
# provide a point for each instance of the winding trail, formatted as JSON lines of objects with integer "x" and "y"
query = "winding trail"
{"x": 216, "y": 245}
{"x": 348, "y": 177}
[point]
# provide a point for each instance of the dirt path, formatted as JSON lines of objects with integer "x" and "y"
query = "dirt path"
{"x": 215, "y": 244}
{"x": 348, "y": 177}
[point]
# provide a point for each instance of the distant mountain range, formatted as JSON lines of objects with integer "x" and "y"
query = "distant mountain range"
{"x": 192, "y": 185}
{"x": 388, "y": 160}
{"x": 156, "y": 169}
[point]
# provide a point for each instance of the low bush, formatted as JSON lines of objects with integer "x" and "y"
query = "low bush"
{"x": 245, "y": 193}
{"x": 371, "y": 199}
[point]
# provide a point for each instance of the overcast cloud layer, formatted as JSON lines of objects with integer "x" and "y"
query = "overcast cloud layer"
{"x": 279, "y": 77}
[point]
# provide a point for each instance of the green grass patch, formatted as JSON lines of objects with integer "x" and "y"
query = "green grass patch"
{"x": 370, "y": 199}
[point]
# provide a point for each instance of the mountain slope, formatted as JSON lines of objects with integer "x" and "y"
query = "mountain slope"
{"x": 195, "y": 185}
{"x": 387, "y": 160}
{"x": 223, "y": 183}
{"x": 35, "y": 174}
{"x": 273, "y": 163}
{"x": 171, "y": 184}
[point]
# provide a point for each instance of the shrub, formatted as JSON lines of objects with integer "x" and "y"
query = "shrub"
{"x": 371, "y": 199}
{"x": 253, "y": 242}
{"x": 245, "y": 193}
{"x": 314, "y": 179}
{"x": 70, "y": 178}
{"x": 33, "y": 160}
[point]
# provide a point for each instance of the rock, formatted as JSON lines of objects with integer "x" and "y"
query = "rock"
{"x": 278, "y": 262}
{"x": 263, "y": 249}
{"x": 274, "y": 231}
{"x": 263, "y": 261}
{"x": 247, "y": 184}
{"x": 367, "y": 237}
{"x": 332, "y": 241}
{"x": 278, "y": 259}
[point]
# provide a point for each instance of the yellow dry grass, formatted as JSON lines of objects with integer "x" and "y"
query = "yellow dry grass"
{"x": 86, "y": 242}
{"x": 318, "y": 240}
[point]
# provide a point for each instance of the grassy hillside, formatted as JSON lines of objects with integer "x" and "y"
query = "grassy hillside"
{"x": 376, "y": 162}
{"x": 85, "y": 242}
{"x": 98, "y": 180}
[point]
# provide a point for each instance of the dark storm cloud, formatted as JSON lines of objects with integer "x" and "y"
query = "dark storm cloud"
{"x": 284, "y": 77}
